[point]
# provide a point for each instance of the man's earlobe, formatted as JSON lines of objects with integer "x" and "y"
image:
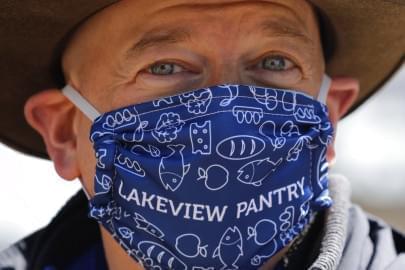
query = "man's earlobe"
{"x": 343, "y": 93}
{"x": 52, "y": 115}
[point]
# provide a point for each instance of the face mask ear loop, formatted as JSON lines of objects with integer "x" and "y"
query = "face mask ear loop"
{"x": 80, "y": 102}
{"x": 85, "y": 107}
{"x": 323, "y": 92}
{"x": 86, "y": 192}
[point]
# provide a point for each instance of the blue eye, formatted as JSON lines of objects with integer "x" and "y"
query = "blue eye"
{"x": 276, "y": 63}
{"x": 164, "y": 69}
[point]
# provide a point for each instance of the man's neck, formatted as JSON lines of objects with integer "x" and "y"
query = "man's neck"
{"x": 117, "y": 258}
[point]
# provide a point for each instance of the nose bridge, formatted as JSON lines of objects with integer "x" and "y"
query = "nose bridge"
{"x": 225, "y": 71}
{"x": 225, "y": 66}
{"x": 224, "y": 32}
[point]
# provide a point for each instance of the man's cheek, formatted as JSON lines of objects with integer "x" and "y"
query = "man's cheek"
{"x": 86, "y": 159}
{"x": 331, "y": 154}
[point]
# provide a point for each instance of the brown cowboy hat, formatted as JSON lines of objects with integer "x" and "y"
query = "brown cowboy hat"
{"x": 362, "y": 39}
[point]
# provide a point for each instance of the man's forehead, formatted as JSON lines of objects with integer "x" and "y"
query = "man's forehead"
{"x": 144, "y": 15}
{"x": 153, "y": 12}
{"x": 218, "y": 6}
{"x": 146, "y": 22}
{"x": 171, "y": 33}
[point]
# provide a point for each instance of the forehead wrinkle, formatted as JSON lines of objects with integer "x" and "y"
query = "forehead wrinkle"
{"x": 284, "y": 28}
{"x": 214, "y": 6}
{"x": 161, "y": 36}
{"x": 158, "y": 37}
{"x": 280, "y": 25}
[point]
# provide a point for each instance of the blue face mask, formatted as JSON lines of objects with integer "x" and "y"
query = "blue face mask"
{"x": 218, "y": 178}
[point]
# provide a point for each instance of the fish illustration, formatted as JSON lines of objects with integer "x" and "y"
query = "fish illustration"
{"x": 155, "y": 255}
{"x": 172, "y": 173}
{"x": 256, "y": 171}
{"x": 230, "y": 248}
{"x": 140, "y": 149}
{"x": 143, "y": 224}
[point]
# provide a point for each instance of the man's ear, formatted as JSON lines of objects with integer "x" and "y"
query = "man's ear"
{"x": 52, "y": 115}
{"x": 342, "y": 94}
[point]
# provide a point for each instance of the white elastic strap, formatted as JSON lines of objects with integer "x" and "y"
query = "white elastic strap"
{"x": 323, "y": 92}
{"x": 86, "y": 193}
{"x": 88, "y": 110}
{"x": 81, "y": 103}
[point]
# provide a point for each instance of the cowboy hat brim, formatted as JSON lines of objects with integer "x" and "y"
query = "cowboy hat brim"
{"x": 366, "y": 40}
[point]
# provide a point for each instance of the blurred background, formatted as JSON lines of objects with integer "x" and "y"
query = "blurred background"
{"x": 370, "y": 152}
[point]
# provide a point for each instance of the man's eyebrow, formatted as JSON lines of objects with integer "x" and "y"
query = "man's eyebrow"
{"x": 158, "y": 37}
{"x": 284, "y": 28}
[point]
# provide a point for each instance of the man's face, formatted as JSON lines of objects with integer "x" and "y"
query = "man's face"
{"x": 136, "y": 51}
{"x": 139, "y": 50}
